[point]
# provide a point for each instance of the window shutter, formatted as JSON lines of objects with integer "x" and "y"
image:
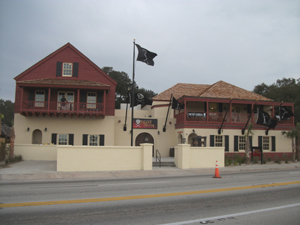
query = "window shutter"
{"x": 250, "y": 139}
{"x": 85, "y": 139}
{"x": 226, "y": 143}
{"x": 260, "y": 141}
{"x": 249, "y": 109}
{"x": 53, "y": 138}
{"x": 220, "y": 107}
{"x": 75, "y": 69}
{"x": 212, "y": 140}
{"x": 59, "y": 69}
{"x": 273, "y": 144}
{"x": 99, "y": 97}
{"x": 71, "y": 139}
{"x": 101, "y": 137}
{"x": 236, "y": 143}
{"x": 31, "y": 95}
{"x": 83, "y": 97}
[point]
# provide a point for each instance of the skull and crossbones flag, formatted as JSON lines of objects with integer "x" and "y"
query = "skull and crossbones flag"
{"x": 145, "y": 56}
{"x": 139, "y": 99}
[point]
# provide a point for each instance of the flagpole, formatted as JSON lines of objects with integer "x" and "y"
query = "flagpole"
{"x": 125, "y": 127}
{"x": 132, "y": 96}
{"x": 164, "y": 129}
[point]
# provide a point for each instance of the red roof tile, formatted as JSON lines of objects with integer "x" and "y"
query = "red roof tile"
{"x": 220, "y": 90}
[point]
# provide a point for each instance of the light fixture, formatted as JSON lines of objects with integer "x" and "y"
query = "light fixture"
{"x": 158, "y": 132}
{"x": 193, "y": 131}
{"x": 28, "y": 129}
{"x": 45, "y": 128}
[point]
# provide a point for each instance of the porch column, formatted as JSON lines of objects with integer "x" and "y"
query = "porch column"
{"x": 78, "y": 96}
{"x": 230, "y": 114}
{"x": 49, "y": 93}
{"x": 104, "y": 103}
{"x": 21, "y": 100}
{"x": 184, "y": 117}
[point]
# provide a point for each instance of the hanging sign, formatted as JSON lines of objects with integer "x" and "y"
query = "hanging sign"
{"x": 145, "y": 123}
{"x": 196, "y": 114}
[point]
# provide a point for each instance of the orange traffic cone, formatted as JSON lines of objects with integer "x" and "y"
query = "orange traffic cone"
{"x": 217, "y": 174}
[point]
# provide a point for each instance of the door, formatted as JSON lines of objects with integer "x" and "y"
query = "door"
{"x": 69, "y": 104}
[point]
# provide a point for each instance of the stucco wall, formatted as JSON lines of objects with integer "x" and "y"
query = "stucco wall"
{"x": 83, "y": 158}
{"x": 36, "y": 152}
{"x": 187, "y": 157}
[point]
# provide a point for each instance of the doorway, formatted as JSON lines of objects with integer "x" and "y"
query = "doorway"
{"x": 145, "y": 138}
{"x": 37, "y": 137}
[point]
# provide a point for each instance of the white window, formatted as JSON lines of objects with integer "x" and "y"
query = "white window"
{"x": 91, "y": 100}
{"x": 93, "y": 140}
{"x": 39, "y": 98}
{"x": 242, "y": 143}
{"x": 62, "y": 139}
{"x": 218, "y": 141}
{"x": 266, "y": 143}
{"x": 67, "y": 69}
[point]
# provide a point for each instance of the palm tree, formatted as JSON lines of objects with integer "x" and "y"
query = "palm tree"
{"x": 249, "y": 133}
{"x": 292, "y": 134}
{"x": 1, "y": 117}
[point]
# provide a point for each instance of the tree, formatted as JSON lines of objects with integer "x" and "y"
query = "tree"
{"x": 292, "y": 134}
{"x": 7, "y": 110}
{"x": 124, "y": 85}
{"x": 286, "y": 90}
{"x": 248, "y": 133}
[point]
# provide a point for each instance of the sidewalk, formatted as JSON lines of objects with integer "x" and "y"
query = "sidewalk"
{"x": 46, "y": 170}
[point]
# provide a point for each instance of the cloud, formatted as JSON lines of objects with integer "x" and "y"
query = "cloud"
{"x": 244, "y": 43}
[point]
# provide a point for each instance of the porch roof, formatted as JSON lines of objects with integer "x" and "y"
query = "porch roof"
{"x": 47, "y": 82}
{"x": 219, "y": 90}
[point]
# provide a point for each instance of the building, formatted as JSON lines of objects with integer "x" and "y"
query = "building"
{"x": 65, "y": 99}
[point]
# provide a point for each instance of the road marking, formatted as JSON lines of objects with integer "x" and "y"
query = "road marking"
{"x": 205, "y": 220}
{"x": 122, "y": 198}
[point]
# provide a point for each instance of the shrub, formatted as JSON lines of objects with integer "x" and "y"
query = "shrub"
{"x": 285, "y": 158}
{"x": 2, "y": 151}
{"x": 277, "y": 159}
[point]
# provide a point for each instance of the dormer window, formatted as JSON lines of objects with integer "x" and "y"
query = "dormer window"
{"x": 67, "y": 69}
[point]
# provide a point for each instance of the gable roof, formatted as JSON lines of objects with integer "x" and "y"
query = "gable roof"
{"x": 68, "y": 45}
{"x": 220, "y": 90}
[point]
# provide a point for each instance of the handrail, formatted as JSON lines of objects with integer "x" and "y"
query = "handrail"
{"x": 158, "y": 157}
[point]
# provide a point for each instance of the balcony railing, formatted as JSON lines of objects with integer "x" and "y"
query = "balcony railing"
{"x": 62, "y": 107}
{"x": 200, "y": 118}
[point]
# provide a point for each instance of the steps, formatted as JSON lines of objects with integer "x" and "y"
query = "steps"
{"x": 164, "y": 164}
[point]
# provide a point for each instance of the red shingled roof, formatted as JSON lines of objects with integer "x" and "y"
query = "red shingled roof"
{"x": 220, "y": 90}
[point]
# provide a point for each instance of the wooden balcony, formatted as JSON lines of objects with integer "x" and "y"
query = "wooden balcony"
{"x": 36, "y": 108}
{"x": 215, "y": 118}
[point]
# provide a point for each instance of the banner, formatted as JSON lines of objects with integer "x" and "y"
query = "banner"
{"x": 145, "y": 123}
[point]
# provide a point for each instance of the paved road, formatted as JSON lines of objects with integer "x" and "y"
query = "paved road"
{"x": 233, "y": 199}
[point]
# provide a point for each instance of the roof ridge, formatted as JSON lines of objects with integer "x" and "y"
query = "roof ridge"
{"x": 207, "y": 89}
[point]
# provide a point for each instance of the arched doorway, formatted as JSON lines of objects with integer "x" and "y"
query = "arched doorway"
{"x": 37, "y": 137}
{"x": 145, "y": 138}
{"x": 190, "y": 139}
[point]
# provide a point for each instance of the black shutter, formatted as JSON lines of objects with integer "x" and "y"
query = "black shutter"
{"x": 99, "y": 97}
{"x": 75, "y": 69}
{"x": 31, "y": 95}
{"x": 46, "y": 96}
{"x": 249, "y": 109}
{"x": 220, "y": 107}
{"x": 85, "y": 139}
{"x": 101, "y": 136}
{"x": 59, "y": 69}
{"x": 226, "y": 143}
{"x": 250, "y": 140}
{"x": 236, "y": 143}
{"x": 273, "y": 144}
{"x": 71, "y": 139}
{"x": 260, "y": 141}
{"x": 53, "y": 139}
{"x": 83, "y": 97}
{"x": 205, "y": 107}
{"x": 212, "y": 140}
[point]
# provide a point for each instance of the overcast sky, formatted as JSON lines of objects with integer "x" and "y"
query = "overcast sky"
{"x": 242, "y": 42}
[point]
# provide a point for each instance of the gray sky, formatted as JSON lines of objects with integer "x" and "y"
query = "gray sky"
{"x": 242, "y": 42}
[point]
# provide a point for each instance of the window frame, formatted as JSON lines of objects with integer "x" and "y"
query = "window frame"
{"x": 266, "y": 143}
{"x": 219, "y": 143}
{"x": 94, "y": 143}
{"x": 91, "y": 105}
{"x": 67, "y": 70}
{"x": 241, "y": 143}
{"x": 38, "y": 103}
{"x": 64, "y": 141}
